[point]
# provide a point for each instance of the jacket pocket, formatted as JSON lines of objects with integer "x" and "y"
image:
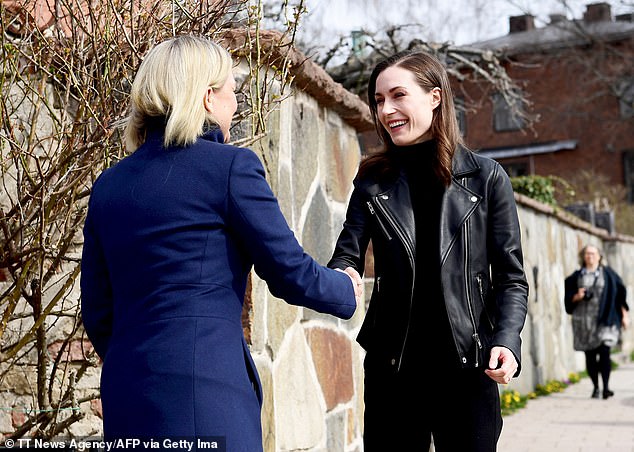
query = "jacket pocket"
{"x": 367, "y": 333}
{"x": 483, "y": 290}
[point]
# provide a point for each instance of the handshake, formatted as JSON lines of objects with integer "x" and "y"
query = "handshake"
{"x": 357, "y": 282}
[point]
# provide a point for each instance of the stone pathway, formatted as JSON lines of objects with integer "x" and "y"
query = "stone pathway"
{"x": 571, "y": 421}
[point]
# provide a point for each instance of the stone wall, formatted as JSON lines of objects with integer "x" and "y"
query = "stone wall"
{"x": 310, "y": 364}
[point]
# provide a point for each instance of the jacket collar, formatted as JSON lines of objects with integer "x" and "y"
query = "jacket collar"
{"x": 214, "y": 134}
{"x": 156, "y": 131}
{"x": 464, "y": 163}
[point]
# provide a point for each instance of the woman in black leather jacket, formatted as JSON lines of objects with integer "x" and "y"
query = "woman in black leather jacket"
{"x": 450, "y": 294}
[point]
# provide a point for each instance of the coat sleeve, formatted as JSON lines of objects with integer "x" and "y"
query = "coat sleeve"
{"x": 619, "y": 292}
{"x": 96, "y": 292}
{"x": 621, "y": 298}
{"x": 291, "y": 274}
{"x": 570, "y": 289}
{"x": 507, "y": 267}
{"x": 354, "y": 238}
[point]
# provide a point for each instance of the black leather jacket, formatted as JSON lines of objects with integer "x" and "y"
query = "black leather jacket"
{"x": 483, "y": 281}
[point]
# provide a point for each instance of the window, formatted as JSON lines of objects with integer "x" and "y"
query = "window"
{"x": 506, "y": 116}
{"x": 516, "y": 169}
{"x": 628, "y": 169}
{"x": 625, "y": 92}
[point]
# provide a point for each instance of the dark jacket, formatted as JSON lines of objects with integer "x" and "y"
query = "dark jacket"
{"x": 170, "y": 238}
{"x": 613, "y": 297}
{"x": 483, "y": 281}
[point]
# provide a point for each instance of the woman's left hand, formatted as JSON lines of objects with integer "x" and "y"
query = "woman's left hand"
{"x": 502, "y": 365}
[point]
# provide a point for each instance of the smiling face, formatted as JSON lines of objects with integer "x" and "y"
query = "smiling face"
{"x": 403, "y": 107}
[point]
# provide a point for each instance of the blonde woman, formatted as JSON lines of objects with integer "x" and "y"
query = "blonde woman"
{"x": 171, "y": 235}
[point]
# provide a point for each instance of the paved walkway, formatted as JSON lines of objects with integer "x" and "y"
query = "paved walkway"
{"x": 571, "y": 421}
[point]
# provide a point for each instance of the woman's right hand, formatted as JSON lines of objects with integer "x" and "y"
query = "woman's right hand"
{"x": 580, "y": 295}
{"x": 357, "y": 282}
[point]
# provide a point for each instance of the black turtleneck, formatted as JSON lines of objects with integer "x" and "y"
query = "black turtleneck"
{"x": 429, "y": 335}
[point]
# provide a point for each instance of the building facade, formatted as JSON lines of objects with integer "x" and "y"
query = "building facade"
{"x": 578, "y": 79}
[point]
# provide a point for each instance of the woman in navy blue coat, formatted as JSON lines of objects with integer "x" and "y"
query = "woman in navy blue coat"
{"x": 171, "y": 234}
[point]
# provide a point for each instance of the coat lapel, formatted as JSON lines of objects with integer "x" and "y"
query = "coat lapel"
{"x": 458, "y": 203}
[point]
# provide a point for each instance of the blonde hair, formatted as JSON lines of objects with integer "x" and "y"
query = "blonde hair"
{"x": 170, "y": 85}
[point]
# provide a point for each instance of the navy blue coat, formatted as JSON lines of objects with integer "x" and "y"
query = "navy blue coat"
{"x": 169, "y": 240}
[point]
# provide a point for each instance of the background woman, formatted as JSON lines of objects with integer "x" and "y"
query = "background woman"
{"x": 596, "y": 298}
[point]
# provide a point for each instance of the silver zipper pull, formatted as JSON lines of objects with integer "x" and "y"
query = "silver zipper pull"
{"x": 476, "y": 338}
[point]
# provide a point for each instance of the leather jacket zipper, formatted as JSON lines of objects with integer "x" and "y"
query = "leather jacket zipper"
{"x": 484, "y": 306}
{"x": 378, "y": 219}
{"x": 467, "y": 279}
{"x": 410, "y": 254}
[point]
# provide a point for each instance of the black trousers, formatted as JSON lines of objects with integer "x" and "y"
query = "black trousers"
{"x": 459, "y": 407}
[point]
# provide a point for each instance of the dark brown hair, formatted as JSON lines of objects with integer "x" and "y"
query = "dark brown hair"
{"x": 429, "y": 73}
